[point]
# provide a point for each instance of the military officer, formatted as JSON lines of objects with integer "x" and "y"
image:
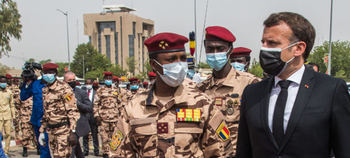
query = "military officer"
{"x": 225, "y": 85}
{"x": 240, "y": 58}
{"x": 28, "y": 137}
{"x": 170, "y": 119}
{"x": 106, "y": 110}
{"x": 7, "y": 112}
{"x": 14, "y": 88}
{"x": 60, "y": 114}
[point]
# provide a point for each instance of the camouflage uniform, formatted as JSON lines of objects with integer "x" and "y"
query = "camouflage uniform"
{"x": 106, "y": 106}
{"x": 17, "y": 101}
{"x": 25, "y": 110}
{"x": 226, "y": 95}
{"x": 60, "y": 117}
{"x": 185, "y": 125}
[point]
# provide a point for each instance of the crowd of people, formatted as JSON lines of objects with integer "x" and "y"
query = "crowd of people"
{"x": 294, "y": 112}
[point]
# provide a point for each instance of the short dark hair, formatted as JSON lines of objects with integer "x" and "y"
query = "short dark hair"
{"x": 302, "y": 29}
{"x": 314, "y": 64}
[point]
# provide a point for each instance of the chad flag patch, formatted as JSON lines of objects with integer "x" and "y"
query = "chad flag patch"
{"x": 223, "y": 131}
{"x": 188, "y": 115}
{"x": 68, "y": 98}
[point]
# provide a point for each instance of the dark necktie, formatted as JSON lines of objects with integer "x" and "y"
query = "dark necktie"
{"x": 278, "y": 115}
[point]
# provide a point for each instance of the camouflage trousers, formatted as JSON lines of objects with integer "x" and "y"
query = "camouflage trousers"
{"x": 28, "y": 136}
{"x": 16, "y": 124}
{"x": 58, "y": 142}
{"x": 106, "y": 131}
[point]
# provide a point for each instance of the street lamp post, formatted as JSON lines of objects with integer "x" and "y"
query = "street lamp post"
{"x": 66, "y": 14}
{"x": 330, "y": 41}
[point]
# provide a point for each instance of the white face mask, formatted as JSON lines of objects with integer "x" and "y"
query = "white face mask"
{"x": 174, "y": 73}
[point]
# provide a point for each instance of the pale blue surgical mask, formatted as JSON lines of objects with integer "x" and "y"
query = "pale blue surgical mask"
{"x": 134, "y": 87}
{"x": 174, "y": 73}
{"x": 108, "y": 82}
{"x": 217, "y": 60}
{"x": 190, "y": 73}
{"x": 238, "y": 66}
{"x": 49, "y": 78}
{"x": 3, "y": 85}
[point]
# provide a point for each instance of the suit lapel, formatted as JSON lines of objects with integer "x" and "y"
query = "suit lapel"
{"x": 265, "y": 108}
{"x": 303, "y": 96}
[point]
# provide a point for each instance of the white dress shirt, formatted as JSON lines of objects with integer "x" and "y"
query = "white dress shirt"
{"x": 293, "y": 89}
{"x": 91, "y": 95}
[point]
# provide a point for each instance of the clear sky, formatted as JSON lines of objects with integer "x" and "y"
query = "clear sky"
{"x": 44, "y": 28}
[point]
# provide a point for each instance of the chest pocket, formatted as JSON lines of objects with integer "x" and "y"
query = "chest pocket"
{"x": 51, "y": 104}
{"x": 187, "y": 135}
{"x": 144, "y": 134}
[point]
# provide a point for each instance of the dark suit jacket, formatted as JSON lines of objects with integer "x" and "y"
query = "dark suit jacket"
{"x": 85, "y": 108}
{"x": 319, "y": 122}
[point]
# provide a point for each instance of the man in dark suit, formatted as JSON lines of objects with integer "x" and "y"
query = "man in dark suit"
{"x": 85, "y": 108}
{"x": 296, "y": 113}
{"x": 88, "y": 87}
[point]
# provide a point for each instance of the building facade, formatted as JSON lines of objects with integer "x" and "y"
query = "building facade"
{"x": 119, "y": 35}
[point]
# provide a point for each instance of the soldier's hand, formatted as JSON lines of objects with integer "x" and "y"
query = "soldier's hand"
{"x": 72, "y": 139}
{"x": 42, "y": 139}
{"x": 98, "y": 121}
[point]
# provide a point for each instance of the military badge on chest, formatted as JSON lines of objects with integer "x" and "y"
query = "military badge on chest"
{"x": 188, "y": 115}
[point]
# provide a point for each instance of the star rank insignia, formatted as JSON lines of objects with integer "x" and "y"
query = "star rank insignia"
{"x": 162, "y": 127}
{"x": 163, "y": 44}
{"x": 188, "y": 115}
{"x": 218, "y": 101}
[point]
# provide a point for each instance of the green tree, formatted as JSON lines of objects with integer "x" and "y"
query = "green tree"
{"x": 340, "y": 61}
{"x": 203, "y": 65}
{"x": 61, "y": 68}
{"x": 42, "y": 62}
{"x": 256, "y": 69}
{"x": 10, "y": 26}
{"x": 3, "y": 69}
{"x": 94, "y": 62}
{"x": 131, "y": 64}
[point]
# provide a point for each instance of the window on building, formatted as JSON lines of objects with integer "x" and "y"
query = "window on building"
{"x": 108, "y": 46}
{"x": 131, "y": 46}
{"x": 134, "y": 28}
{"x": 116, "y": 47}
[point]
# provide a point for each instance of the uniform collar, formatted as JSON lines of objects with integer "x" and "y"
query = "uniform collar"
{"x": 226, "y": 81}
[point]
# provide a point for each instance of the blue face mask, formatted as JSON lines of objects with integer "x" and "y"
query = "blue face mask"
{"x": 49, "y": 78}
{"x": 134, "y": 87}
{"x": 3, "y": 85}
{"x": 217, "y": 60}
{"x": 238, "y": 66}
{"x": 108, "y": 82}
{"x": 190, "y": 73}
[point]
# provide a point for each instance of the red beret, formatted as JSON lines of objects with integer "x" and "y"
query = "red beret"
{"x": 152, "y": 74}
{"x": 8, "y": 76}
{"x": 133, "y": 79}
{"x": 240, "y": 51}
{"x": 145, "y": 83}
{"x": 166, "y": 42}
{"x": 107, "y": 73}
{"x": 115, "y": 78}
{"x": 95, "y": 84}
{"x": 219, "y": 33}
{"x": 50, "y": 66}
{"x": 77, "y": 83}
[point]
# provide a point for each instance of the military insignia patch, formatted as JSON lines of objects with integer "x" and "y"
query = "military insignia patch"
{"x": 218, "y": 101}
{"x": 116, "y": 140}
{"x": 188, "y": 115}
{"x": 162, "y": 127}
{"x": 223, "y": 131}
{"x": 68, "y": 97}
{"x": 163, "y": 44}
